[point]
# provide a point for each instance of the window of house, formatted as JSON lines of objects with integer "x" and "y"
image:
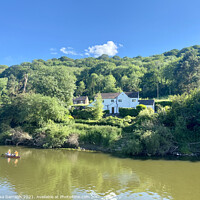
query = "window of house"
{"x": 133, "y": 100}
{"x": 120, "y": 100}
{"x": 112, "y": 100}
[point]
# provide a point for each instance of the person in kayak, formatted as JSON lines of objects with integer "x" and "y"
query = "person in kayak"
{"x": 9, "y": 152}
{"x": 16, "y": 153}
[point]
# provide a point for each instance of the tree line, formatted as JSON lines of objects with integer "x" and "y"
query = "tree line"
{"x": 171, "y": 73}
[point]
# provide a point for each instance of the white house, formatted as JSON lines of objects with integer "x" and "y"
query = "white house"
{"x": 114, "y": 101}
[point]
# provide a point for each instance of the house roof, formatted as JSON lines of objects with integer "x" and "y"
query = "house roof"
{"x": 132, "y": 94}
{"x": 109, "y": 95}
{"x": 81, "y": 98}
{"x": 146, "y": 102}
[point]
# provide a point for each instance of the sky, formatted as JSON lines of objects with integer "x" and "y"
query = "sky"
{"x": 45, "y": 29}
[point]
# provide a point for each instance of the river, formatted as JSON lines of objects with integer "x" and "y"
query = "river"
{"x": 62, "y": 174}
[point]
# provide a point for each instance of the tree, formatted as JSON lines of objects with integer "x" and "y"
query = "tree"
{"x": 109, "y": 83}
{"x": 33, "y": 110}
{"x": 98, "y": 107}
{"x": 186, "y": 73}
{"x": 81, "y": 88}
{"x": 54, "y": 82}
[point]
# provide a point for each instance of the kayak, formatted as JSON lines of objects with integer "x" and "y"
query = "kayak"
{"x": 9, "y": 156}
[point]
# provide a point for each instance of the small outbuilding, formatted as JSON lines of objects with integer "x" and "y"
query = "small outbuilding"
{"x": 81, "y": 100}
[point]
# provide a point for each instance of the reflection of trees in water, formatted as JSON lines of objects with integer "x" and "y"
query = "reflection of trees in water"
{"x": 61, "y": 172}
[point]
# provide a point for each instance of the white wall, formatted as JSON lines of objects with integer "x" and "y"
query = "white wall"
{"x": 108, "y": 104}
{"x": 122, "y": 101}
{"x": 126, "y": 102}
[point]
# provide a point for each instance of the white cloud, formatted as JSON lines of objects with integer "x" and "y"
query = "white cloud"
{"x": 121, "y": 45}
{"x": 110, "y": 48}
{"x": 68, "y": 51}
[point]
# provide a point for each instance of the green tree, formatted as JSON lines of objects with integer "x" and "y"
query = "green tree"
{"x": 80, "y": 89}
{"x": 186, "y": 73}
{"x": 109, "y": 84}
{"x": 98, "y": 107}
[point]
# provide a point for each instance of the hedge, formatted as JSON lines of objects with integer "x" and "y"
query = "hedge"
{"x": 133, "y": 112}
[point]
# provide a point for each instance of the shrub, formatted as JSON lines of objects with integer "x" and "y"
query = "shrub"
{"x": 52, "y": 135}
{"x": 112, "y": 121}
{"x": 98, "y": 135}
{"x": 133, "y": 147}
{"x": 128, "y": 111}
{"x": 163, "y": 104}
{"x": 147, "y": 114}
{"x": 140, "y": 107}
{"x": 156, "y": 139}
{"x": 7, "y": 135}
{"x": 106, "y": 112}
{"x": 87, "y": 113}
{"x": 72, "y": 141}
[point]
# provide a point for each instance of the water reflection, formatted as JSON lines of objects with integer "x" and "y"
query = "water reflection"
{"x": 97, "y": 176}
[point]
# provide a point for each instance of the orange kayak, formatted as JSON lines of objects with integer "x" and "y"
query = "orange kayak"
{"x": 9, "y": 156}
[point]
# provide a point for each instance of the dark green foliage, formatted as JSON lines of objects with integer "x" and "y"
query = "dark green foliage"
{"x": 112, "y": 121}
{"x": 49, "y": 81}
{"x": 150, "y": 136}
{"x": 140, "y": 107}
{"x": 133, "y": 147}
{"x": 33, "y": 109}
{"x": 128, "y": 112}
{"x": 106, "y": 112}
{"x": 163, "y": 104}
{"x": 172, "y": 72}
{"x": 186, "y": 117}
{"x": 87, "y": 113}
{"x": 187, "y": 73}
{"x": 133, "y": 112}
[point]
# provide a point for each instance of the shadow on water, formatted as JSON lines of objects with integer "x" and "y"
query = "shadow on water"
{"x": 192, "y": 158}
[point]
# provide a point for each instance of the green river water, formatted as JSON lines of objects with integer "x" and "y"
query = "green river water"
{"x": 62, "y": 174}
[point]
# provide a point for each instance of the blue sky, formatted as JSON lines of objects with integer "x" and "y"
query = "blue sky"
{"x": 80, "y": 28}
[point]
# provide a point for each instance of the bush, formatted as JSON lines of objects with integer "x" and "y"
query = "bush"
{"x": 156, "y": 139}
{"x": 163, "y": 104}
{"x": 106, "y": 112}
{"x": 147, "y": 114}
{"x": 112, "y": 121}
{"x": 133, "y": 112}
{"x": 128, "y": 111}
{"x": 7, "y": 135}
{"x": 52, "y": 135}
{"x": 87, "y": 113}
{"x": 98, "y": 135}
{"x": 133, "y": 147}
{"x": 33, "y": 110}
{"x": 140, "y": 107}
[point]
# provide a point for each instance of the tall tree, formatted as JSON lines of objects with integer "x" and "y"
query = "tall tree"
{"x": 80, "y": 89}
{"x": 98, "y": 107}
{"x": 187, "y": 73}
